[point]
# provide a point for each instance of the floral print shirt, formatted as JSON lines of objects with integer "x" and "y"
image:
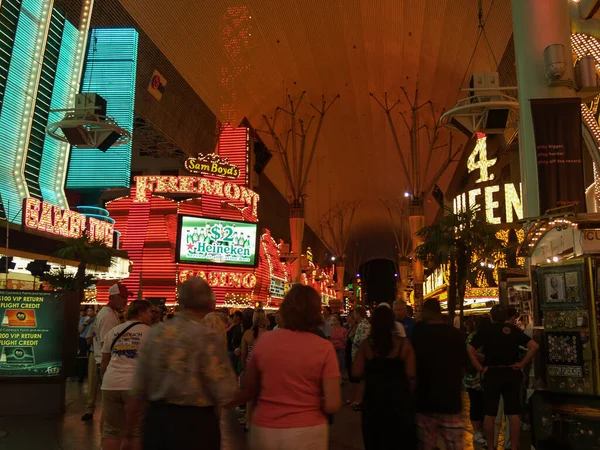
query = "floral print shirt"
{"x": 363, "y": 329}
{"x": 184, "y": 362}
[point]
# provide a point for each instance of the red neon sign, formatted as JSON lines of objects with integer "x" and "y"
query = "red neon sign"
{"x": 48, "y": 218}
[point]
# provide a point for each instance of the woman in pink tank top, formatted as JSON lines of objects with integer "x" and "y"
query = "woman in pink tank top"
{"x": 293, "y": 377}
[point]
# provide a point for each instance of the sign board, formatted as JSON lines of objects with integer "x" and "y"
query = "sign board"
{"x": 157, "y": 85}
{"x": 501, "y": 203}
{"x": 557, "y": 130}
{"x": 48, "y": 218}
{"x": 215, "y": 241}
{"x": 147, "y": 185}
{"x": 212, "y": 164}
{"x": 221, "y": 278}
{"x": 31, "y": 334}
{"x": 277, "y": 288}
{"x": 590, "y": 241}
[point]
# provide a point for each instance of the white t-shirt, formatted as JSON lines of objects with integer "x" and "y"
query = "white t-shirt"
{"x": 106, "y": 319}
{"x": 400, "y": 331}
{"x": 123, "y": 359}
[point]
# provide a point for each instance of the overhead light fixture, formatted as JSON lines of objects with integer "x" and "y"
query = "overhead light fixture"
{"x": 407, "y": 194}
{"x": 333, "y": 258}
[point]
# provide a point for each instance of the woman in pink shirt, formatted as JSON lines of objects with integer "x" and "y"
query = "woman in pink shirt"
{"x": 338, "y": 339}
{"x": 294, "y": 377}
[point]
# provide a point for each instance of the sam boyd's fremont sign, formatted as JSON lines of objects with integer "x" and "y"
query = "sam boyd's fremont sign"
{"x": 212, "y": 164}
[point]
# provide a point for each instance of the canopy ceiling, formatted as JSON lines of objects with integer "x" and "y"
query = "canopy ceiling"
{"x": 243, "y": 57}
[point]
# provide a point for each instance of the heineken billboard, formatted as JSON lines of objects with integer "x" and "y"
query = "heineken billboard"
{"x": 216, "y": 241}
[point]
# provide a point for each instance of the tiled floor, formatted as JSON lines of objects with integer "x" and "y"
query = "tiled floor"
{"x": 69, "y": 433}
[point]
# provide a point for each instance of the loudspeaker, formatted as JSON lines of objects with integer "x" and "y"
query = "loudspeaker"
{"x": 496, "y": 119}
{"x": 75, "y": 135}
{"x": 262, "y": 156}
{"x": 11, "y": 264}
{"x": 463, "y": 129}
{"x": 109, "y": 141}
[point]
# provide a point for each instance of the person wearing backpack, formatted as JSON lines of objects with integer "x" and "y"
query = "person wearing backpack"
{"x": 119, "y": 363}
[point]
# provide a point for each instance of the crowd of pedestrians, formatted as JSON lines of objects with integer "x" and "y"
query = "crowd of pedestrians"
{"x": 182, "y": 383}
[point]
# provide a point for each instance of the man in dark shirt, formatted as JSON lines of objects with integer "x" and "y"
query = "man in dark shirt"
{"x": 234, "y": 337}
{"x": 441, "y": 359}
{"x": 500, "y": 344}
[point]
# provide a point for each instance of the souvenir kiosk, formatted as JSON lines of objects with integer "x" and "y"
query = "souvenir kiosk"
{"x": 565, "y": 268}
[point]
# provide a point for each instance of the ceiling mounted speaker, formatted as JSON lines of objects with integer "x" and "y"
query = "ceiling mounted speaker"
{"x": 496, "y": 121}
{"x": 109, "y": 141}
{"x": 76, "y": 135}
{"x": 456, "y": 124}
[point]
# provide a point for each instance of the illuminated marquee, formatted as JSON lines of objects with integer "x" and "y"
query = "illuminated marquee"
{"x": 46, "y": 217}
{"x": 212, "y": 164}
{"x": 195, "y": 185}
{"x": 489, "y": 196}
{"x": 222, "y": 279}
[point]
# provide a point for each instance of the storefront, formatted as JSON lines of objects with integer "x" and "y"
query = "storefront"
{"x": 205, "y": 224}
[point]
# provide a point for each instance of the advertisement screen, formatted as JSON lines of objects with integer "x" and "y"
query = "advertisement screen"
{"x": 31, "y": 334}
{"x": 216, "y": 241}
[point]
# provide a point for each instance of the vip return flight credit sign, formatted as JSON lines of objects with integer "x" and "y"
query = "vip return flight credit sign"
{"x": 30, "y": 334}
{"x": 216, "y": 241}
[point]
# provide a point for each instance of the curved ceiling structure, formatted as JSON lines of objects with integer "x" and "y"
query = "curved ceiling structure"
{"x": 243, "y": 57}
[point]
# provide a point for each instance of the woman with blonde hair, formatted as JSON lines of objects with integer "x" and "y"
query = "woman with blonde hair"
{"x": 260, "y": 325}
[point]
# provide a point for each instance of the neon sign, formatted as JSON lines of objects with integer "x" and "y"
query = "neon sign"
{"x": 222, "y": 279}
{"x": 48, "y": 218}
{"x": 212, "y": 164}
{"x": 489, "y": 196}
{"x": 195, "y": 185}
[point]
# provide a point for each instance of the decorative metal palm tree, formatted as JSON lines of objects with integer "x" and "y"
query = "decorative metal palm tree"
{"x": 459, "y": 241}
{"x": 418, "y": 178}
{"x": 398, "y": 212}
{"x": 336, "y": 229}
{"x": 296, "y": 150}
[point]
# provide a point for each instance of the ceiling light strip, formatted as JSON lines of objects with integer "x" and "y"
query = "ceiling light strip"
{"x": 55, "y": 153}
{"x": 17, "y": 107}
{"x": 110, "y": 72}
{"x": 46, "y": 85}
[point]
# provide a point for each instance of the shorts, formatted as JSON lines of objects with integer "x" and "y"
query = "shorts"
{"x": 114, "y": 407}
{"x": 476, "y": 410}
{"x": 450, "y": 428}
{"x": 505, "y": 382}
{"x": 314, "y": 438}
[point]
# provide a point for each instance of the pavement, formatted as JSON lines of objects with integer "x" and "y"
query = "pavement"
{"x": 67, "y": 432}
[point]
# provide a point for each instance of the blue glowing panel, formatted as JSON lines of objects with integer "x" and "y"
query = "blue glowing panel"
{"x": 43, "y": 100}
{"x": 110, "y": 71}
{"x": 17, "y": 105}
{"x": 9, "y": 16}
{"x": 54, "y": 156}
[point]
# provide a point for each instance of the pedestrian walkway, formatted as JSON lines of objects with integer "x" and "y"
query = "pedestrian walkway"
{"x": 69, "y": 433}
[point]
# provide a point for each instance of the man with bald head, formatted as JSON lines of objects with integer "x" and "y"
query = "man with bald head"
{"x": 184, "y": 374}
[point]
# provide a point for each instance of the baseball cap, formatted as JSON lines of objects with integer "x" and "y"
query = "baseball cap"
{"x": 119, "y": 289}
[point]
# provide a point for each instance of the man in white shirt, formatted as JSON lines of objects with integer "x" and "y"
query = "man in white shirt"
{"x": 108, "y": 318}
{"x": 400, "y": 331}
